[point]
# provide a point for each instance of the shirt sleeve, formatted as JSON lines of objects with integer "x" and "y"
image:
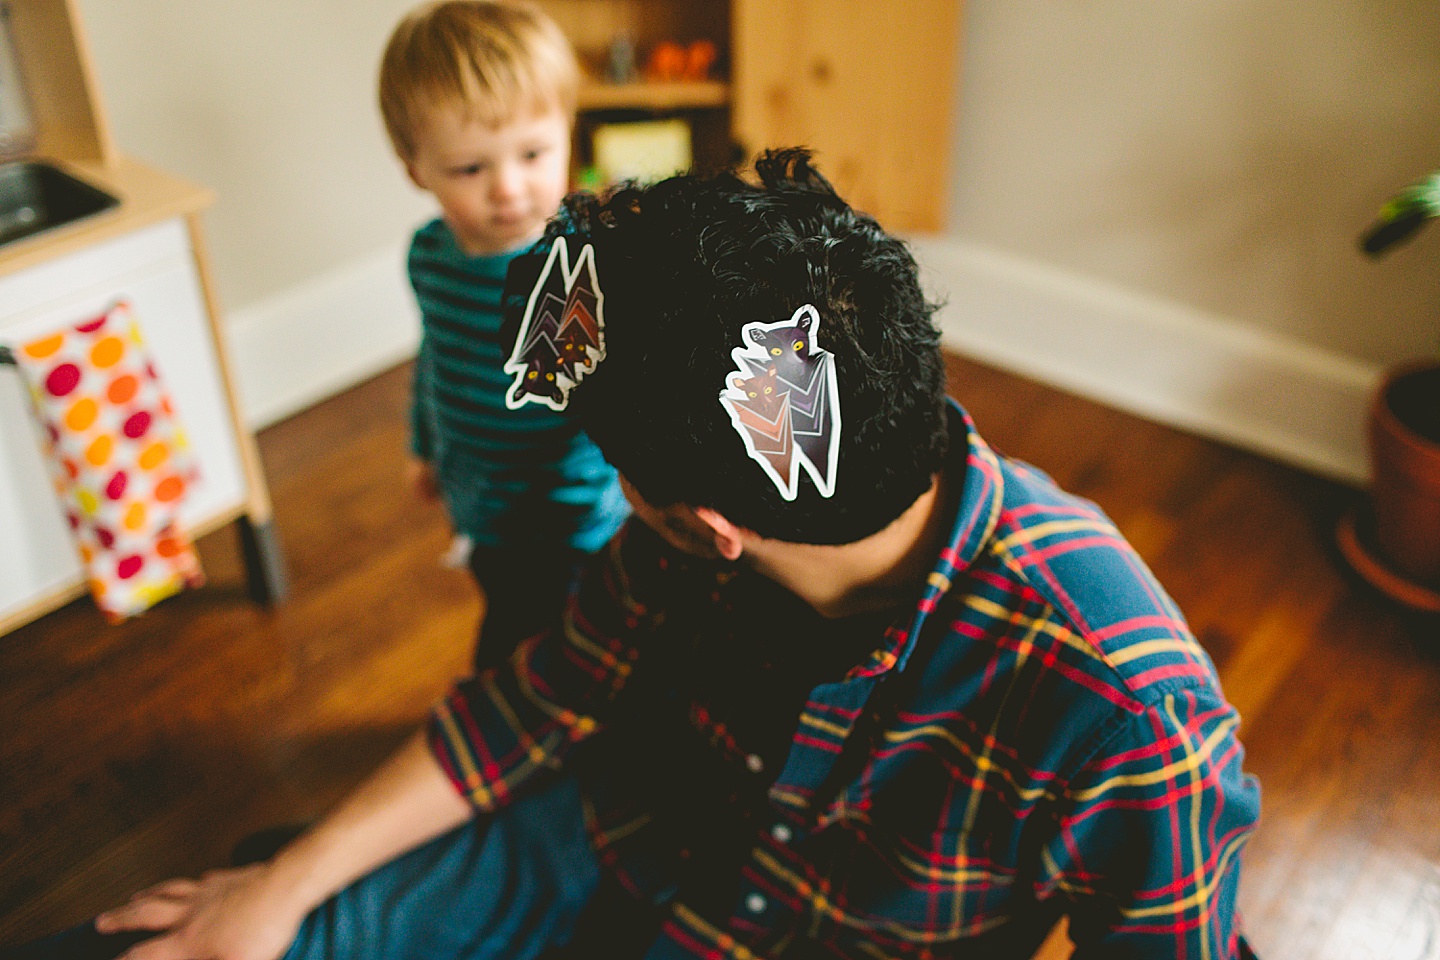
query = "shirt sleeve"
{"x": 422, "y": 414}
{"x": 1148, "y": 849}
{"x": 492, "y": 732}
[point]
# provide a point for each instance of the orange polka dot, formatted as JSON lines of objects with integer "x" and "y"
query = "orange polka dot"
{"x": 122, "y": 389}
{"x": 169, "y": 489}
{"x": 98, "y": 588}
{"x": 41, "y": 349}
{"x": 86, "y": 554}
{"x": 82, "y": 414}
{"x": 135, "y": 516}
{"x": 98, "y": 453}
{"x": 153, "y": 456}
{"x": 107, "y": 352}
{"x": 168, "y": 547}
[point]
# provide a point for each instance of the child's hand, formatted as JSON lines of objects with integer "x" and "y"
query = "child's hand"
{"x": 420, "y": 478}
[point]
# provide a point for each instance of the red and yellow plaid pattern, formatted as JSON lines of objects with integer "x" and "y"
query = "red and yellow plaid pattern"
{"x": 1044, "y": 736}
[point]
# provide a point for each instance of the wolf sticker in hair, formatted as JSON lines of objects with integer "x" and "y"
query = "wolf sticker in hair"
{"x": 784, "y": 401}
{"x": 562, "y": 336}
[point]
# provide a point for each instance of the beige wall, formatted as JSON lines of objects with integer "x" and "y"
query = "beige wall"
{"x": 1224, "y": 155}
{"x": 270, "y": 102}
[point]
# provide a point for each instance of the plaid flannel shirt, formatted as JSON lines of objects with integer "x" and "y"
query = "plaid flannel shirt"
{"x": 1044, "y": 735}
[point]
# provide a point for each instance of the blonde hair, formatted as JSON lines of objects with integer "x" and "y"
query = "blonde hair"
{"x": 497, "y": 60}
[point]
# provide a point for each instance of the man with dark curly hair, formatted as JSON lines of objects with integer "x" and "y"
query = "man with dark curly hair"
{"x": 851, "y": 685}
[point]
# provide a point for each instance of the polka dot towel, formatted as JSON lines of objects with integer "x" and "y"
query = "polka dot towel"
{"x": 119, "y": 460}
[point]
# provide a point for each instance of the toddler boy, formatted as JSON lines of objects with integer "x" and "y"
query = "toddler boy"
{"x": 479, "y": 101}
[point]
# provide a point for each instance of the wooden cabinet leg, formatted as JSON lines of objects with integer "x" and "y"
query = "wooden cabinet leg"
{"x": 265, "y": 568}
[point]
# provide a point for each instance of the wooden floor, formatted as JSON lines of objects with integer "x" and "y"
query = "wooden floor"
{"x": 131, "y": 754}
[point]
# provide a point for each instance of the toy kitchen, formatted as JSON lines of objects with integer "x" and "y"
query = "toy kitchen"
{"x": 87, "y": 234}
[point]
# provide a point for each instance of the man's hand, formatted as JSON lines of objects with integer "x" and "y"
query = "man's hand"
{"x": 225, "y": 915}
{"x": 253, "y": 913}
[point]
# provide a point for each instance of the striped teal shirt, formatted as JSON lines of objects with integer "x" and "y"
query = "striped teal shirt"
{"x": 523, "y": 478}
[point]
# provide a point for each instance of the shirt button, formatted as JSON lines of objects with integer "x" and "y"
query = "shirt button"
{"x": 753, "y": 763}
{"x": 781, "y": 833}
{"x": 755, "y": 903}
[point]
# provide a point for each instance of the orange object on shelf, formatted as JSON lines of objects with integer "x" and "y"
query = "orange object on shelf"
{"x": 700, "y": 59}
{"x": 670, "y": 62}
{"x": 666, "y": 63}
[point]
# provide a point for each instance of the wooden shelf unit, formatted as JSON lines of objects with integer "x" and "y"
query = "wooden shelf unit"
{"x": 593, "y": 25}
{"x": 654, "y": 96}
{"x": 869, "y": 87}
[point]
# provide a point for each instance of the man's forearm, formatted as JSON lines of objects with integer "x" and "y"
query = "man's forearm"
{"x": 404, "y": 803}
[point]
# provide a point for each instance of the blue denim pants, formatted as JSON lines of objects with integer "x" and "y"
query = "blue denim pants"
{"x": 508, "y": 886}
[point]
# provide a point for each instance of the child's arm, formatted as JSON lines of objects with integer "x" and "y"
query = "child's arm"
{"x": 420, "y": 469}
{"x": 420, "y": 478}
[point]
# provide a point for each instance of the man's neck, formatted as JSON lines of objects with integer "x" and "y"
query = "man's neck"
{"x": 884, "y": 570}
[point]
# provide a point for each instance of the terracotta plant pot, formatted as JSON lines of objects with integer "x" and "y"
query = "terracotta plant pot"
{"x": 1405, "y": 458}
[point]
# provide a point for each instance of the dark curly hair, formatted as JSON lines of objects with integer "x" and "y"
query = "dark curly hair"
{"x": 684, "y": 265}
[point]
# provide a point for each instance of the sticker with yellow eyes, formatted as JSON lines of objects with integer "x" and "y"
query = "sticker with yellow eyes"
{"x": 562, "y": 335}
{"x": 784, "y": 401}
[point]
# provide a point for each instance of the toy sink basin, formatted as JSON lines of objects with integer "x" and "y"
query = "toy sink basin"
{"x": 35, "y": 197}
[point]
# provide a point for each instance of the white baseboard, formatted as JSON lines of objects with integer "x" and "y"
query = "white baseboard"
{"x": 1275, "y": 396}
{"x": 316, "y": 339}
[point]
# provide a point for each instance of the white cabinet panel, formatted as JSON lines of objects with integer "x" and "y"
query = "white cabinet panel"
{"x": 36, "y": 555}
{"x": 53, "y": 285}
{"x": 154, "y": 270}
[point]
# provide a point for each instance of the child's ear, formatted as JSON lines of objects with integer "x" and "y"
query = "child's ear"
{"x": 410, "y": 172}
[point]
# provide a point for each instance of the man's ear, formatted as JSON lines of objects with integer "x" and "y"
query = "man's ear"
{"x": 729, "y": 540}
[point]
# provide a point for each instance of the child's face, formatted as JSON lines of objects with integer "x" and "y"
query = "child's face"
{"x": 496, "y": 185}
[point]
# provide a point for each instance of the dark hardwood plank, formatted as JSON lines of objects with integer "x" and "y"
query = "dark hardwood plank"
{"x": 148, "y": 749}
{"x": 135, "y": 753}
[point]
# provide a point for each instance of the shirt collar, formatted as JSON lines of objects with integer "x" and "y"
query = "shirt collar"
{"x": 976, "y": 468}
